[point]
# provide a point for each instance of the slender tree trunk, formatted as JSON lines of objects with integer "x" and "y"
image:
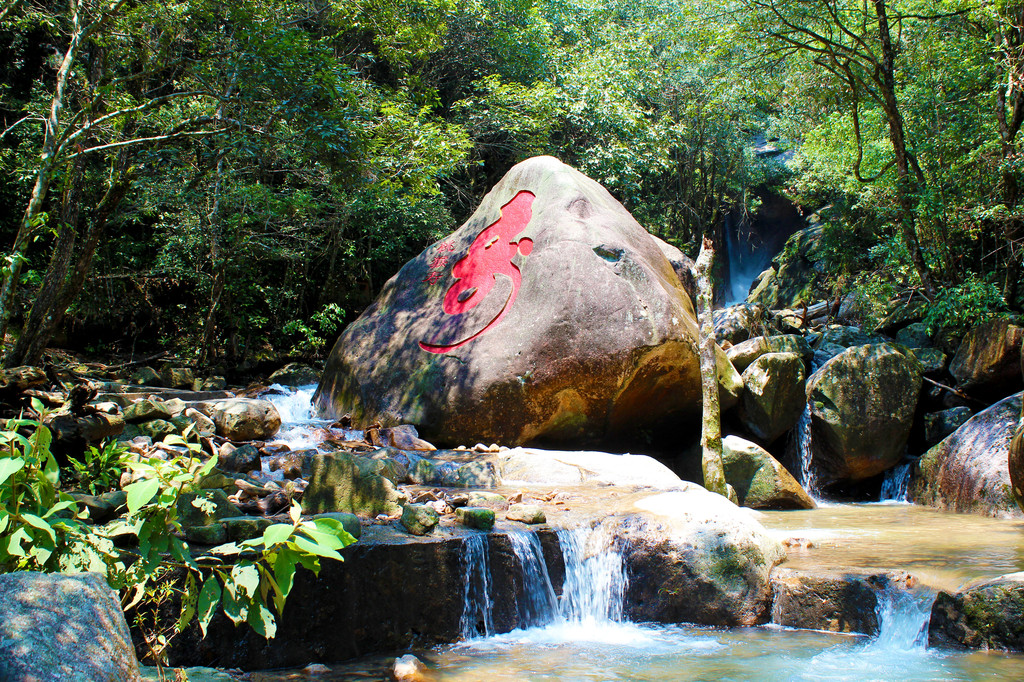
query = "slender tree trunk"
{"x": 908, "y": 175}
{"x": 48, "y": 164}
{"x": 711, "y": 423}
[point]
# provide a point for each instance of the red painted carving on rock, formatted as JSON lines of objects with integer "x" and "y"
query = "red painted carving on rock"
{"x": 489, "y": 255}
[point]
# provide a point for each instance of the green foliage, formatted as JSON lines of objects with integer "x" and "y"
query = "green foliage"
{"x": 100, "y": 468}
{"x": 958, "y": 308}
{"x": 150, "y": 563}
{"x": 38, "y": 530}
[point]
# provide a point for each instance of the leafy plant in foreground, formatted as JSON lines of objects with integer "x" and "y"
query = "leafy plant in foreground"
{"x": 100, "y": 468}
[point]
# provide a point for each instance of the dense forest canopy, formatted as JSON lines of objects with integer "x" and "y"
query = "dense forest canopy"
{"x": 234, "y": 179}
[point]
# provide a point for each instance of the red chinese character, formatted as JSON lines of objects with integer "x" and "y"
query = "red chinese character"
{"x": 438, "y": 262}
{"x": 445, "y": 246}
{"x": 433, "y": 277}
{"x": 489, "y": 255}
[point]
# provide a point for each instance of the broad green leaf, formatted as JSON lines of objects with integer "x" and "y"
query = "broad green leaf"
{"x": 188, "y": 604}
{"x": 247, "y": 577}
{"x": 284, "y": 571}
{"x": 279, "y": 532}
{"x": 315, "y": 548}
{"x": 36, "y": 522}
{"x": 9, "y": 466}
{"x": 206, "y": 605}
{"x": 262, "y": 621}
{"x": 140, "y": 493}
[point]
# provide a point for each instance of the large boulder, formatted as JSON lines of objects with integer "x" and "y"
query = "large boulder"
{"x": 862, "y": 405}
{"x": 795, "y": 275}
{"x": 555, "y": 467}
{"x": 349, "y": 483}
{"x": 988, "y": 362}
{"x": 241, "y": 419}
{"x": 742, "y": 354}
{"x": 56, "y": 627}
{"x": 696, "y": 557}
{"x": 759, "y": 480}
{"x": 773, "y": 396}
{"x": 738, "y": 323}
{"x": 969, "y": 470}
{"x": 988, "y": 615}
{"x": 549, "y": 315}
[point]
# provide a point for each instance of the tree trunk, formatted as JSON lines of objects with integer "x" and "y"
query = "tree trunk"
{"x": 906, "y": 183}
{"x": 711, "y": 423}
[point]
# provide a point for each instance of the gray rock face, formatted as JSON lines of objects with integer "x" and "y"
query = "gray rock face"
{"x": 968, "y": 471}
{"x": 739, "y": 322}
{"x": 759, "y": 480}
{"x": 742, "y": 354}
{"x": 989, "y": 615}
{"x": 241, "y": 419}
{"x": 550, "y": 314}
{"x": 837, "y": 602}
{"x": 862, "y": 406}
{"x": 698, "y": 558}
{"x": 61, "y": 627}
{"x": 773, "y": 396}
{"x": 348, "y": 483}
{"x": 938, "y": 425}
{"x": 988, "y": 362}
{"x": 295, "y": 374}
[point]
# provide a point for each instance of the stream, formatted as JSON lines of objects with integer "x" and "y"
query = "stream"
{"x": 582, "y": 634}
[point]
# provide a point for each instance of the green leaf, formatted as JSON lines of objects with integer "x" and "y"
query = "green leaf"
{"x": 279, "y": 532}
{"x": 9, "y": 466}
{"x": 206, "y": 605}
{"x": 316, "y": 549}
{"x": 284, "y": 571}
{"x": 140, "y": 493}
{"x": 247, "y": 577}
{"x": 188, "y": 604}
{"x": 262, "y": 621}
{"x": 36, "y": 522}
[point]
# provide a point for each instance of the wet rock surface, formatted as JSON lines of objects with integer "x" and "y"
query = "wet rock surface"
{"x": 862, "y": 404}
{"x": 63, "y": 627}
{"x": 988, "y": 360}
{"x": 969, "y": 470}
{"x": 586, "y": 334}
{"x": 759, "y": 480}
{"x": 988, "y": 615}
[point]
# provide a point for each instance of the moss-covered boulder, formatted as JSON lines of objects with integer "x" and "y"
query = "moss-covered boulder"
{"x": 969, "y": 471}
{"x": 793, "y": 277}
{"x": 739, "y": 322}
{"x": 759, "y": 480}
{"x": 693, "y": 556}
{"x": 480, "y": 518}
{"x": 988, "y": 362}
{"x": 862, "y": 405}
{"x": 145, "y": 410}
{"x": 157, "y": 429}
{"x": 349, "y": 483}
{"x": 773, "y": 396}
{"x": 988, "y": 615}
{"x": 526, "y": 513}
{"x": 205, "y": 507}
{"x": 419, "y": 519}
{"x": 742, "y": 354}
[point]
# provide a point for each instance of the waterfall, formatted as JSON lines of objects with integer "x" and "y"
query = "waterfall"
{"x": 539, "y": 605}
{"x": 477, "y": 609}
{"x": 802, "y": 431}
{"x": 294, "y": 405}
{"x": 896, "y": 486}
{"x": 595, "y": 576}
{"x": 903, "y": 617}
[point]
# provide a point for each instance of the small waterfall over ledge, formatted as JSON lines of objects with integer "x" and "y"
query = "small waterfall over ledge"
{"x": 896, "y": 486}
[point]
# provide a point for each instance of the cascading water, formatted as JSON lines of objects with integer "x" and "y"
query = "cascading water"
{"x": 903, "y": 617}
{"x": 539, "y": 605}
{"x": 896, "y": 486}
{"x": 477, "y": 611}
{"x": 595, "y": 576}
{"x": 802, "y": 433}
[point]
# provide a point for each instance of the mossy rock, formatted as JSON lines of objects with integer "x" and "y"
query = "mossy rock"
{"x": 157, "y": 429}
{"x": 205, "y": 507}
{"x": 419, "y": 519}
{"x": 475, "y": 517}
{"x": 349, "y": 483}
{"x": 146, "y": 410}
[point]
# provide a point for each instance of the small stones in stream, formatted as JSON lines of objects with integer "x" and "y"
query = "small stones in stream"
{"x": 419, "y": 519}
{"x": 408, "y": 668}
{"x": 475, "y": 517}
{"x": 526, "y": 513}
